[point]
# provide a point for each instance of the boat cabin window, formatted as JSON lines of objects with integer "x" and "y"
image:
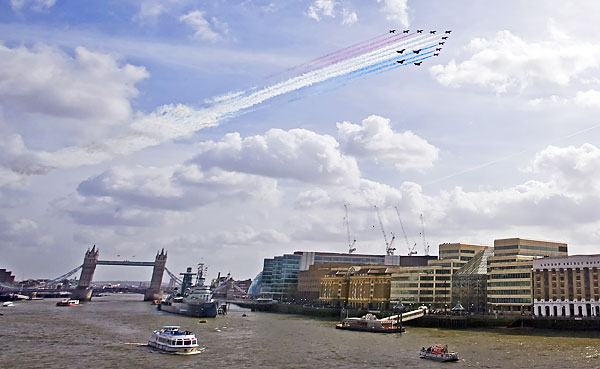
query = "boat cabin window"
{"x": 187, "y": 342}
{"x": 194, "y": 342}
{"x": 179, "y": 342}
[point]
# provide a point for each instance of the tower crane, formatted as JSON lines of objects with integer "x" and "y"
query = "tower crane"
{"x": 389, "y": 250}
{"x": 425, "y": 244}
{"x": 411, "y": 250}
{"x": 351, "y": 247}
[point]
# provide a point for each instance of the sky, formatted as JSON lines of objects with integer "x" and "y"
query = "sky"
{"x": 215, "y": 130}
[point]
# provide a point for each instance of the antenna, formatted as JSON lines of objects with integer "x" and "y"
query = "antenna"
{"x": 425, "y": 244}
{"x": 351, "y": 247}
{"x": 411, "y": 250}
{"x": 388, "y": 246}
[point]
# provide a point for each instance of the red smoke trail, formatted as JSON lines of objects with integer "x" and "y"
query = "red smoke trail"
{"x": 385, "y": 36}
{"x": 359, "y": 51}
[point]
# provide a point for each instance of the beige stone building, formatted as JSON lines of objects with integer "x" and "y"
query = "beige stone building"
{"x": 309, "y": 281}
{"x": 566, "y": 286}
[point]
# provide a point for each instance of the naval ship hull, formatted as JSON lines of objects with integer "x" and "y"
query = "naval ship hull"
{"x": 204, "y": 310}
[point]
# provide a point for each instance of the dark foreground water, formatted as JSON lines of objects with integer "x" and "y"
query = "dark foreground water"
{"x": 110, "y": 332}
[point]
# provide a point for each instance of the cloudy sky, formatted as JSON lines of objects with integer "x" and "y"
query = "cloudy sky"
{"x": 138, "y": 125}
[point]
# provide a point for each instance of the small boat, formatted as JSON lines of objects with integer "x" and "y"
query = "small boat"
{"x": 8, "y": 304}
{"x": 171, "y": 340}
{"x": 370, "y": 323}
{"x": 67, "y": 302}
{"x": 438, "y": 353}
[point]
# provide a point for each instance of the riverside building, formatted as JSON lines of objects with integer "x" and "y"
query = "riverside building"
{"x": 566, "y": 286}
{"x": 509, "y": 273}
{"x": 431, "y": 285}
{"x": 280, "y": 273}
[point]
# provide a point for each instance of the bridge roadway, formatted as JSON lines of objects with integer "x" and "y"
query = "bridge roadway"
{"x": 125, "y": 262}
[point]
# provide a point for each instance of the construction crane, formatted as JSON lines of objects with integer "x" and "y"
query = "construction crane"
{"x": 425, "y": 244}
{"x": 388, "y": 246}
{"x": 411, "y": 250}
{"x": 351, "y": 247}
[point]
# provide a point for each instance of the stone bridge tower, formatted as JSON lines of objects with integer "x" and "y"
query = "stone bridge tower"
{"x": 83, "y": 291}
{"x": 154, "y": 292}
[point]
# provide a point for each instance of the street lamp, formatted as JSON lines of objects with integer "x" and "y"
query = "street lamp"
{"x": 399, "y": 309}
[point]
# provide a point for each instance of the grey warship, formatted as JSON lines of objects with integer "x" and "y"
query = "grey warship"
{"x": 193, "y": 300}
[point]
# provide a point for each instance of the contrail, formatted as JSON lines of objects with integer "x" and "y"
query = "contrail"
{"x": 501, "y": 159}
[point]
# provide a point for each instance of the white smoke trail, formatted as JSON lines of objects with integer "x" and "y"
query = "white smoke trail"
{"x": 174, "y": 121}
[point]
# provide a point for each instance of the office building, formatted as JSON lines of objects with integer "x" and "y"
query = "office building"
{"x": 509, "y": 273}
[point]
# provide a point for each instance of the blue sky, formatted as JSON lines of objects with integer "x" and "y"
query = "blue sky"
{"x": 110, "y": 132}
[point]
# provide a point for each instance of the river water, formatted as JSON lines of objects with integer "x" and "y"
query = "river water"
{"x": 111, "y": 331}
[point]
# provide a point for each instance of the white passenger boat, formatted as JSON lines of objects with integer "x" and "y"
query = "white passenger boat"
{"x": 67, "y": 302}
{"x": 8, "y": 304}
{"x": 170, "y": 339}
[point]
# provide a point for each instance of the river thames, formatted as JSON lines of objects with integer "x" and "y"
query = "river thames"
{"x": 111, "y": 332}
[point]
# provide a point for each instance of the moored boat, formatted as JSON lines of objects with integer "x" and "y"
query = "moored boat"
{"x": 8, "y": 304}
{"x": 67, "y": 302}
{"x": 370, "y": 323}
{"x": 194, "y": 300}
{"x": 171, "y": 340}
{"x": 438, "y": 353}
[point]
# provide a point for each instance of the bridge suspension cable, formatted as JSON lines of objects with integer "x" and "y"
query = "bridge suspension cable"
{"x": 173, "y": 276}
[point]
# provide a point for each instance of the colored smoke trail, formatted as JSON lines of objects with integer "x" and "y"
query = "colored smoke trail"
{"x": 174, "y": 121}
{"x": 358, "y": 51}
{"x": 333, "y": 54}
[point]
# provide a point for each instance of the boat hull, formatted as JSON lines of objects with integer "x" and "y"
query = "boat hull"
{"x": 451, "y": 356}
{"x": 204, "y": 310}
{"x": 174, "y": 350}
{"x": 370, "y": 329}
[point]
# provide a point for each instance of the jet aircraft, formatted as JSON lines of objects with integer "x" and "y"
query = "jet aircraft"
{"x": 419, "y": 63}
{"x": 406, "y": 31}
{"x": 417, "y": 51}
{"x": 392, "y": 31}
{"x": 419, "y": 31}
{"x": 444, "y": 38}
{"x": 441, "y": 43}
{"x": 438, "y": 49}
{"x": 438, "y": 54}
{"x": 432, "y": 32}
{"x": 400, "y": 51}
{"x": 448, "y": 31}
{"x": 400, "y": 61}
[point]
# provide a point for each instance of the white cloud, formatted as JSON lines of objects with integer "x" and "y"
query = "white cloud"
{"x": 174, "y": 188}
{"x": 396, "y": 11}
{"x": 37, "y": 5}
{"x": 21, "y": 232}
{"x": 203, "y": 29}
{"x": 86, "y": 86}
{"x": 375, "y": 139}
{"x": 575, "y": 171}
{"x": 589, "y": 98}
{"x": 509, "y": 62}
{"x": 349, "y": 17}
{"x": 322, "y": 8}
{"x": 298, "y": 154}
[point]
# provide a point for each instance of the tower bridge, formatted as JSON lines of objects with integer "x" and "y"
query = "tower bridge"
{"x": 83, "y": 291}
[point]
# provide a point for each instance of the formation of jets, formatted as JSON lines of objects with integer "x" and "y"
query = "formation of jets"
{"x": 417, "y": 51}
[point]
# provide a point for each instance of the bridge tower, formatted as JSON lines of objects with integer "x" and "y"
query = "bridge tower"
{"x": 83, "y": 291}
{"x": 160, "y": 262}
